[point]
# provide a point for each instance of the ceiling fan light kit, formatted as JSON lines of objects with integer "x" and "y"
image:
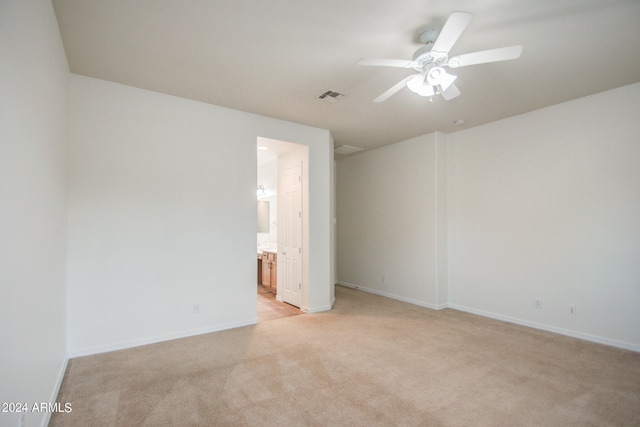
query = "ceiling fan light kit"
{"x": 431, "y": 59}
{"x": 416, "y": 85}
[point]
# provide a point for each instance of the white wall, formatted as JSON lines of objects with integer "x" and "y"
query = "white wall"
{"x": 387, "y": 221}
{"x": 321, "y": 226}
{"x": 546, "y": 206}
{"x": 33, "y": 116}
{"x": 162, "y": 214}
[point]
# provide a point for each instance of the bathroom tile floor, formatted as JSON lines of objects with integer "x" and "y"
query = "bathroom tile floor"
{"x": 269, "y": 308}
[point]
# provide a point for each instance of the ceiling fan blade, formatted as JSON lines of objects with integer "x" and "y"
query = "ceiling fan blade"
{"x": 452, "y": 30}
{"x": 381, "y": 62}
{"x": 393, "y": 89}
{"x": 491, "y": 55}
{"x": 451, "y": 92}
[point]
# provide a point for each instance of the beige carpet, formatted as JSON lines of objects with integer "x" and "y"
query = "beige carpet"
{"x": 370, "y": 361}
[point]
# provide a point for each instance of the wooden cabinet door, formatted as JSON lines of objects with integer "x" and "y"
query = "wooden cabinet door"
{"x": 274, "y": 275}
{"x": 266, "y": 271}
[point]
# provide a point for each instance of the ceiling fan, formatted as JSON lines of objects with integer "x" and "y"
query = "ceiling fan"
{"x": 431, "y": 59}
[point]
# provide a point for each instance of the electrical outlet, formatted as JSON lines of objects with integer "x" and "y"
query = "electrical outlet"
{"x": 384, "y": 279}
{"x": 196, "y": 309}
{"x": 539, "y": 304}
{"x": 572, "y": 309}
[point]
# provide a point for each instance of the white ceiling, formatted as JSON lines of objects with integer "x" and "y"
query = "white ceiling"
{"x": 275, "y": 57}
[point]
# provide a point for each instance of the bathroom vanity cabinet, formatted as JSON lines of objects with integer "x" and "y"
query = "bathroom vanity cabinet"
{"x": 269, "y": 270}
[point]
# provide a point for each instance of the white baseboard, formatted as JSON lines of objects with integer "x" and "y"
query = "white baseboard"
{"x": 393, "y": 296}
{"x": 306, "y": 309}
{"x": 56, "y": 390}
{"x": 153, "y": 340}
{"x": 319, "y": 309}
{"x": 549, "y": 328}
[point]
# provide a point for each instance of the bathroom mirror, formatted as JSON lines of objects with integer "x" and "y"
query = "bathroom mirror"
{"x": 263, "y": 216}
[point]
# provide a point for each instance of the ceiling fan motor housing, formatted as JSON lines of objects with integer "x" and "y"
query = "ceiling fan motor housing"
{"x": 425, "y": 56}
{"x": 429, "y": 36}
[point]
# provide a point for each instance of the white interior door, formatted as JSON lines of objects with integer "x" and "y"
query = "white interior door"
{"x": 290, "y": 240}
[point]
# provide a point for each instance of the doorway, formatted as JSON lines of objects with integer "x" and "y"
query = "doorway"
{"x": 281, "y": 182}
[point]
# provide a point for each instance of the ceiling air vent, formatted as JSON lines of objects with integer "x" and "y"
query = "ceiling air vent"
{"x": 347, "y": 149}
{"x": 331, "y": 96}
